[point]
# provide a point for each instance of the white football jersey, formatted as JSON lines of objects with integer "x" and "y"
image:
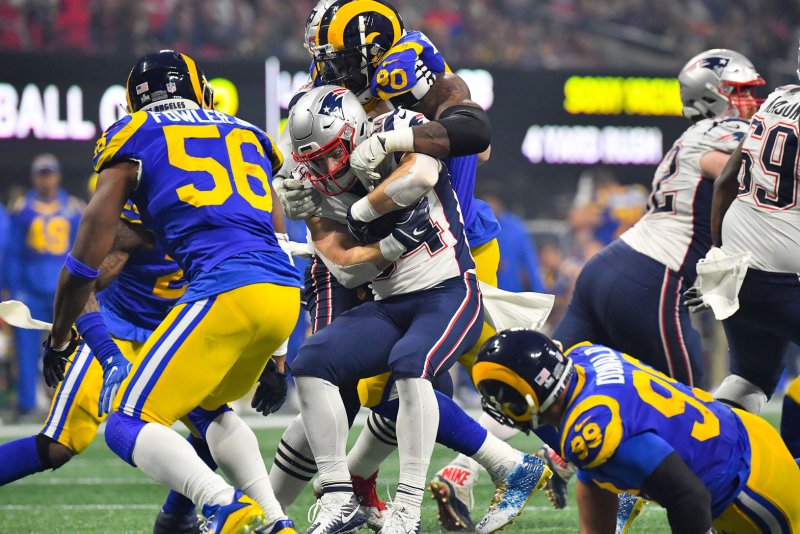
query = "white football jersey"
{"x": 676, "y": 230}
{"x": 765, "y": 217}
{"x": 444, "y": 254}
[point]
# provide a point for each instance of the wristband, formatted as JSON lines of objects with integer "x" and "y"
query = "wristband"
{"x": 79, "y": 269}
{"x": 401, "y": 140}
{"x": 363, "y": 210}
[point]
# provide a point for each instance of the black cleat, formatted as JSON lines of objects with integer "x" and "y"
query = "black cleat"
{"x": 177, "y": 524}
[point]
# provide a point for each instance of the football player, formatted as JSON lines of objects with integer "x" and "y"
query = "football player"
{"x": 201, "y": 181}
{"x": 629, "y": 427}
{"x": 654, "y": 262}
{"x": 427, "y": 309}
{"x": 403, "y": 68}
{"x": 755, "y": 212}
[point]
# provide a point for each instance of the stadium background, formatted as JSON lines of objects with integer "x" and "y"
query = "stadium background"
{"x": 581, "y": 93}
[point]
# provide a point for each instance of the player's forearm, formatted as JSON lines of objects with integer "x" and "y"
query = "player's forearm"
{"x": 416, "y": 175}
{"x": 71, "y": 297}
{"x": 596, "y": 509}
{"x": 726, "y": 187}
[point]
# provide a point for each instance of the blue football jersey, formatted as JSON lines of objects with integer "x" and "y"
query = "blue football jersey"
{"x": 204, "y": 191}
{"x": 623, "y": 418}
{"x": 136, "y": 302}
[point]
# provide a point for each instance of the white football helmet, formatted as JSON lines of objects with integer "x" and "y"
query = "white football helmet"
{"x": 718, "y": 83}
{"x": 325, "y": 125}
{"x": 312, "y": 24}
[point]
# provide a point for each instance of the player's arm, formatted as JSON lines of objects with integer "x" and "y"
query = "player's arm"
{"x": 597, "y": 509}
{"x": 687, "y": 500}
{"x": 416, "y": 175}
{"x": 712, "y": 163}
{"x": 94, "y": 241}
{"x": 460, "y": 126}
{"x": 330, "y": 238}
{"x": 726, "y": 188}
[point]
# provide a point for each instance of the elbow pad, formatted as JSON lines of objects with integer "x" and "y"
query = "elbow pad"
{"x": 468, "y": 129}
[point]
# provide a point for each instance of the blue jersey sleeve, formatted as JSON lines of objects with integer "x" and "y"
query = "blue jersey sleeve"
{"x": 632, "y": 463}
{"x": 413, "y": 61}
{"x": 119, "y": 143}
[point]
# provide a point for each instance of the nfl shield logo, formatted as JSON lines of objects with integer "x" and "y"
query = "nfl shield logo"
{"x": 142, "y": 88}
{"x": 171, "y": 87}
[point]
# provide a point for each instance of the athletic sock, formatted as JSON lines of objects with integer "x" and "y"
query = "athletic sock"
{"x": 497, "y": 457}
{"x": 417, "y": 424}
{"x": 235, "y": 448}
{"x": 177, "y": 504}
{"x": 325, "y": 421}
{"x": 294, "y": 464}
{"x": 163, "y": 455}
{"x": 18, "y": 459}
{"x": 375, "y": 443}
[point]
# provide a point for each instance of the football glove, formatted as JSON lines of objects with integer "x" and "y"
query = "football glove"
{"x": 55, "y": 360}
{"x": 368, "y": 155}
{"x": 693, "y": 299}
{"x": 359, "y": 231}
{"x": 410, "y": 231}
{"x": 271, "y": 391}
{"x": 298, "y": 199}
{"x": 115, "y": 370}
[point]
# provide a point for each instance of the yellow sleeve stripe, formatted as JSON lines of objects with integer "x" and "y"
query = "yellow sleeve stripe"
{"x": 120, "y": 138}
{"x": 612, "y": 435}
{"x": 410, "y": 45}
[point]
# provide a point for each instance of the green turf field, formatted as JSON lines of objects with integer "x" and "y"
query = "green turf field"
{"x": 99, "y": 493}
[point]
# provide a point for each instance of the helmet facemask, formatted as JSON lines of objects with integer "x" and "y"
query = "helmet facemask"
{"x": 742, "y": 97}
{"x": 352, "y": 68}
{"x": 329, "y": 166}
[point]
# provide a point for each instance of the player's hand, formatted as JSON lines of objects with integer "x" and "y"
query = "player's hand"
{"x": 271, "y": 391}
{"x": 693, "y": 299}
{"x": 366, "y": 157}
{"x": 55, "y": 359}
{"x": 115, "y": 370}
{"x": 413, "y": 224}
{"x": 298, "y": 198}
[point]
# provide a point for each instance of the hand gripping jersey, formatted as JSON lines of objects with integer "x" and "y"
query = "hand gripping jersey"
{"x": 622, "y": 418}
{"x": 676, "y": 230}
{"x": 411, "y": 61}
{"x": 765, "y": 217}
{"x": 203, "y": 189}
{"x": 445, "y": 253}
{"x": 136, "y": 302}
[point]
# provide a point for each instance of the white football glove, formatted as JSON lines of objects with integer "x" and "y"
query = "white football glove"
{"x": 366, "y": 157}
{"x": 299, "y": 199}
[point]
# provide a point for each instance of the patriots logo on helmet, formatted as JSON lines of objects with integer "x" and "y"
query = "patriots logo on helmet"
{"x": 331, "y": 105}
{"x": 716, "y": 64}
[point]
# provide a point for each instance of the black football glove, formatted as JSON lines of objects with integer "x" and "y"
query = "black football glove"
{"x": 55, "y": 361}
{"x": 413, "y": 225}
{"x": 693, "y": 299}
{"x": 271, "y": 391}
{"x": 360, "y": 231}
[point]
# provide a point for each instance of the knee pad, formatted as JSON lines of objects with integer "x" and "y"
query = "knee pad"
{"x": 52, "y": 454}
{"x": 201, "y": 418}
{"x": 121, "y": 433}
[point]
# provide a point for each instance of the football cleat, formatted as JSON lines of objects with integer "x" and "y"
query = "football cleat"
{"x": 372, "y": 506}
{"x": 337, "y": 513}
{"x": 628, "y": 507}
{"x": 177, "y": 524}
{"x": 401, "y": 521}
{"x": 513, "y": 492}
{"x": 452, "y": 490}
{"x": 282, "y": 526}
{"x": 556, "y": 486}
{"x": 242, "y": 516}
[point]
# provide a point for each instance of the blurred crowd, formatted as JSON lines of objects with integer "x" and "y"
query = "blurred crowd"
{"x": 510, "y": 33}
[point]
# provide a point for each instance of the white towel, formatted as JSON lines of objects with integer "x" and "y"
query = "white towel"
{"x": 504, "y": 310}
{"x": 17, "y": 314}
{"x": 720, "y": 276}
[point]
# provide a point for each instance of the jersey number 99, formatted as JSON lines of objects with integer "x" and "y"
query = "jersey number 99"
{"x": 224, "y": 181}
